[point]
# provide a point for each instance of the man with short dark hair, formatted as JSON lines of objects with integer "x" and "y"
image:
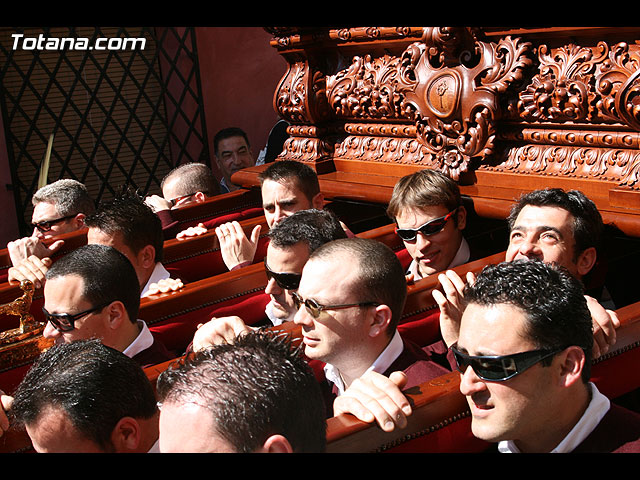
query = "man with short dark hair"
{"x": 291, "y": 242}
{"x": 287, "y": 186}
{"x": 93, "y": 292}
{"x": 351, "y": 297}
{"x": 564, "y": 228}
{"x": 232, "y": 152}
{"x": 430, "y": 218}
{"x": 129, "y": 225}
{"x": 255, "y": 394}
{"x": 83, "y": 397}
{"x": 58, "y": 208}
{"x": 524, "y": 353}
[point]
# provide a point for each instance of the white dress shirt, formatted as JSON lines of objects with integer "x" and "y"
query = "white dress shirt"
{"x": 461, "y": 257}
{"x": 597, "y": 409}
{"x": 159, "y": 273}
{"x": 380, "y": 365}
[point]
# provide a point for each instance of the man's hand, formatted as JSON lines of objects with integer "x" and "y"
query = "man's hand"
{"x": 5, "y": 405}
{"x": 157, "y": 203}
{"x": 451, "y": 304}
{"x": 32, "y": 269}
{"x": 376, "y": 398}
{"x": 605, "y": 323}
{"x": 235, "y": 247}
{"x": 22, "y": 248}
{"x": 218, "y": 330}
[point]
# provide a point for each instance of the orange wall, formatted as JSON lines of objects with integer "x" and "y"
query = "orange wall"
{"x": 239, "y": 73}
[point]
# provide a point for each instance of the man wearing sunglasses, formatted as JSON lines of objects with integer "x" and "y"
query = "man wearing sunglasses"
{"x": 351, "y": 297}
{"x": 93, "y": 292}
{"x": 430, "y": 219}
{"x": 184, "y": 185}
{"x": 524, "y": 355}
{"x": 58, "y": 208}
{"x": 291, "y": 242}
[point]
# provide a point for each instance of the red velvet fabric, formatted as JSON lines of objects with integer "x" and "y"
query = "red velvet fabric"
{"x": 176, "y": 333}
{"x": 423, "y": 328}
{"x": 213, "y": 222}
{"x": 211, "y": 263}
{"x": 619, "y": 374}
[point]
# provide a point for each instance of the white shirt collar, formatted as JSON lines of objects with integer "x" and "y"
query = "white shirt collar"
{"x": 159, "y": 273}
{"x": 268, "y": 310}
{"x": 461, "y": 257}
{"x": 143, "y": 341}
{"x": 155, "y": 448}
{"x": 380, "y": 365}
{"x": 597, "y": 409}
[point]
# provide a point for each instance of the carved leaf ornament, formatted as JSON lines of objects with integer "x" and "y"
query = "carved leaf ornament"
{"x": 451, "y": 85}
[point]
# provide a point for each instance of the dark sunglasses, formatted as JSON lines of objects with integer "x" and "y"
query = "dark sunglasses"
{"x": 173, "y": 201}
{"x": 64, "y": 322}
{"x": 314, "y": 308}
{"x": 288, "y": 281}
{"x": 430, "y": 228}
{"x": 46, "y": 225}
{"x": 500, "y": 367}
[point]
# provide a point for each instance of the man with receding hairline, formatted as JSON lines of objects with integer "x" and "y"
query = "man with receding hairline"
{"x": 59, "y": 207}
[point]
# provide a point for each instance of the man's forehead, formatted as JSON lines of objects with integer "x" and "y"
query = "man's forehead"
{"x": 231, "y": 144}
{"x": 534, "y": 215}
{"x": 285, "y": 188}
{"x": 484, "y": 329}
{"x": 43, "y": 211}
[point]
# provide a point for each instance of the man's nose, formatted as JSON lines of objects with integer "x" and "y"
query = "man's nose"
{"x": 273, "y": 288}
{"x": 50, "y": 331}
{"x": 470, "y": 383}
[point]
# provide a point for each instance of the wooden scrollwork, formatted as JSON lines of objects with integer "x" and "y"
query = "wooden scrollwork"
{"x": 451, "y": 83}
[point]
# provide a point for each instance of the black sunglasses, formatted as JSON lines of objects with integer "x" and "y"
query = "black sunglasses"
{"x": 173, "y": 201}
{"x": 430, "y": 228}
{"x": 314, "y": 308}
{"x": 64, "y": 322}
{"x": 288, "y": 281}
{"x": 45, "y": 226}
{"x": 500, "y": 367}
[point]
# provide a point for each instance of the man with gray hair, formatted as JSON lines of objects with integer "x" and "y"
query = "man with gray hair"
{"x": 58, "y": 208}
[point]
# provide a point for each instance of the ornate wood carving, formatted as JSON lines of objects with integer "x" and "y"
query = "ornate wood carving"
{"x": 452, "y": 84}
{"x": 562, "y": 102}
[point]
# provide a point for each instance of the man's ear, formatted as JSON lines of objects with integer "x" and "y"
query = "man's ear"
{"x": 586, "y": 260}
{"x": 199, "y": 197}
{"x": 317, "y": 201}
{"x": 126, "y": 435}
{"x": 117, "y": 314}
{"x": 79, "y": 220}
{"x": 380, "y": 320}
{"x": 571, "y": 363}
{"x": 461, "y": 216}
{"x": 147, "y": 256}
{"x": 277, "y": 444}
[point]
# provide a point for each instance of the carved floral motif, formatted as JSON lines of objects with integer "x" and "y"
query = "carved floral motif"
{"x": 367, "y": 89}
{"x": 582, "y": 84}
{"x": 451, "y": 84}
